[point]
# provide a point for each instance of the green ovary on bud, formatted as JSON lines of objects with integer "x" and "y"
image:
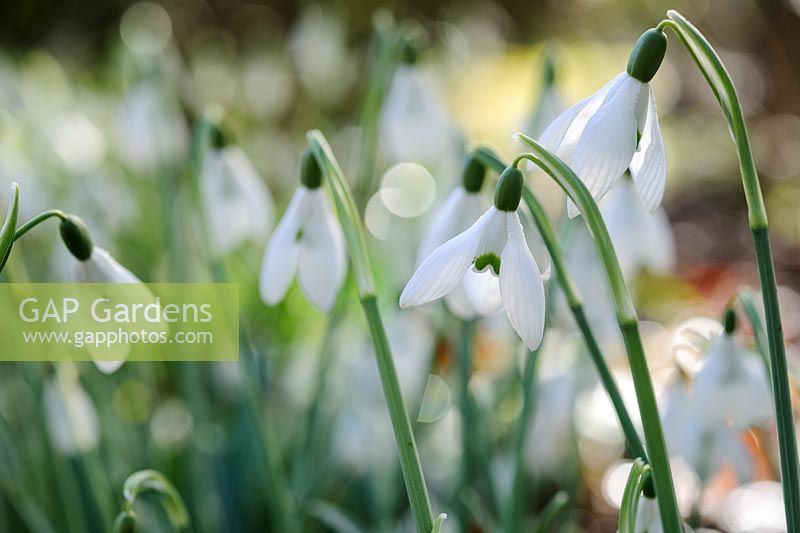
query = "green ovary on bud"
{"x": 76, "y": 237}
{"x": 647, "y": 55}
{"x": 310, "y": 174}
{"x": 126, "y": 522}
{"x": 729, "y": 321}
{"x": 219, "y": 138}
{"x": 509, "y": 190}
{"x": 473, "y": 175}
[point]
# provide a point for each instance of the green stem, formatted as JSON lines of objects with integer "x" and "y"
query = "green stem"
{"x": 637, "y": 479}
{"x": 748, "y": 302}
{"x": 629, "y": 326}
{"x": 357, "y": 249}
{"x": 38, "y": 219}
{"x": 9, "y": 228}
{"x": 552, "y": 511}
{"x": 382, "y": 61}
{"x": 468, "y": 455}
{"x": 721, "y": 85}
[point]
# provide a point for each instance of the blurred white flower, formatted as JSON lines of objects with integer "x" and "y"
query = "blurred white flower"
{"x": 308, "y": 239}
{"x": 706, "y": 448}
{"x": 149, "y": 130}
{"x": 71, "y": 417}
{"x": 598, "y": 138}
{"x": 237, "y": 202}
{"x": 641, "y": 240}
{"x": 318, "y": 48}
{"x": 732, "y": 386}
{"x": 492, "y": 252}
{"x": 414, "y": 125}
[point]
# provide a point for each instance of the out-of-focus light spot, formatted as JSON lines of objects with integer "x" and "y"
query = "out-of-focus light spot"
{"x": 775, "y": 142}
{"x": 754, "y": 507}
{"x": 614, "y": 481}
{"x": 132, "y": 401}
{"x": 690, "y": 340}
{"x": 435, "y": 400}
{"x": 377, "y": 218}
{"x": 146, "y": 28}
{"x": 408, "y": 190}
{"x": 171, "y": 425}
{"x": 78, "y": 142}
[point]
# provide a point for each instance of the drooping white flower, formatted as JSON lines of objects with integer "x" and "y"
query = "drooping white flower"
{"x": 308, "y": 240}
{"x": 72, "y": 422}
{"x": 616, "y": 129}
{"x": 237, "y": 202}
{"x": 96, "y": 265}
{"x": 457, "y": 213}
{"x": 732, "y": 386}
{"x": 413, "y": 124}
{"x": 496, "y": 243}
{"x": 641, "y": 240}
{"x": 705, "y": 448}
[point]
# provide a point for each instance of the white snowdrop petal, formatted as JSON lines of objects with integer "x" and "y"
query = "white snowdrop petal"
{"x": 521, "y": 286}
{"x": 322, "y": 262}
{"x": 458, "y": 303}
{"x": 280, "y": 257}
{"x": 562, "y": 134}
{"x": 649, "y": 163}
{"x": 457, "y": 213}
{"x": 102, "y": 268}
{"x": 483, "y": 291}
{"x": 444, "y": 268}
{"x": 606, "y": 147}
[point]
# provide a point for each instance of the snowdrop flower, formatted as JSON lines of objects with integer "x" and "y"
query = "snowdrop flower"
{"x": 641, "y": 240}
{"x": 95, "y": 265}
{"x": 308, "y": 239}
{"x": 459, "y": 211}
{"x": 706, "y": 448}
{"x": 648, "y": 517}
{"x": 238, "y": 204}
{"x": 732, "y": 385}
{"x": 616, "y": 129}
{"x": 413, "y": 124}
{"x": 495, "y": 245}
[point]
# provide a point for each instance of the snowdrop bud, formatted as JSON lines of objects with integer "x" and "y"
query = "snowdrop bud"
{"x": 310, "y": 175}
{"x": 729, "y": 321}
{"x": 219, "y": 139}
{"x": 647, "y": 55}
{"x": 473, "y": 175}
{"x": 126, "y": 522}
{"x": 509, "y": 190}
{"x": 76, "y": 237}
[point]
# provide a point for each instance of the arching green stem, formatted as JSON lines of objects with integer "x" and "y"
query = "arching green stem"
{"x": 721, "y": 84}
{"x": 637, "y": 479}
{"x": 566, "y": 178}
{"x": 38, "y": 219}
{"x": 152, "y": 481}
{"x": 354, "y": 235}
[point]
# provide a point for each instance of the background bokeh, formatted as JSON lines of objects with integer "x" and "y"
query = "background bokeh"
{"x": 98, "y": 101}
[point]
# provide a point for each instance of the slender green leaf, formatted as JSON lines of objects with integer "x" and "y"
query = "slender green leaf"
{"x": 9, "y": 230}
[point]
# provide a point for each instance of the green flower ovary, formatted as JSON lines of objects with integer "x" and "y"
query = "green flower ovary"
{"x": 488, "y": 260}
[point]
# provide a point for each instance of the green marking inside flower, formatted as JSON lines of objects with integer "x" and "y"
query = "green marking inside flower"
{"x": 488, "y": 260}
